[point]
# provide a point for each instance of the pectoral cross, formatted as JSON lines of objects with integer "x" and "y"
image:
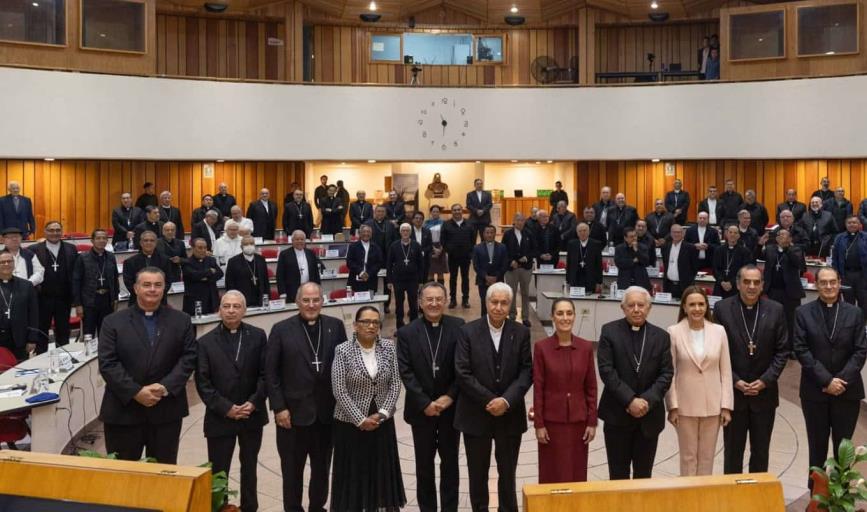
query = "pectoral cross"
{"x": 582, "y": 264}
{"x": 406, "y": 261}
{"x": 8, "y": 313}
{"x": 255, "y": 281}
{"x": 752, "y": 348}
{"x": 435, "y": 369}
{"x": 317, "y": 363}
{"x": 779, "y": 266}
{"x": 55, "y": 266}
{"x": 101, "y": 281}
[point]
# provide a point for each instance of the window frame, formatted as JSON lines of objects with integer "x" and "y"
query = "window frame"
{"x": 758, "y": 59}
{"x": 504, "y": 37}
{"x": 371, "y": 34}
{"x": 49, "y": 45}
{"x": 828, "y": 4}
{"x": 145, "y": 28}
{"x": 474, "y": 47}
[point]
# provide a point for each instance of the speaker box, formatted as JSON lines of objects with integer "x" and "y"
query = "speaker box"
{"x": 514, "y": 20}
{"x": 370, "y": 17}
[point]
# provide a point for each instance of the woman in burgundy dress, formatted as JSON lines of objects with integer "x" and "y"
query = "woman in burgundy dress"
{"x": 564, "y": 399}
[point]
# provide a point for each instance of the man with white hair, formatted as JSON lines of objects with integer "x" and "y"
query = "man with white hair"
{"x": 820, "y": 227}
{"x": 237, "y": 215}
{"x": 16, "y": 211}
{"x": 635, "y": 366}
{"x": 228, "y": 245}
{"x": 263, "y": 213}
{"x": 404, "y": 266}
{"x": 169, "y": 213}
{"x": 207, "y": 229}
{"x": 494, "y": 370}
{"x": 224, "y": 201}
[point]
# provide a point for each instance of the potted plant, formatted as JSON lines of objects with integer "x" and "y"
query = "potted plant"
{"x": 839, "y": 486}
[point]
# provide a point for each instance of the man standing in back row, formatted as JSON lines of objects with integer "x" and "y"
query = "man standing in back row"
{"x": 479, "y": 204}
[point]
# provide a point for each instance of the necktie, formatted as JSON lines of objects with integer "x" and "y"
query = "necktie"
{"x": 16, "y": 201}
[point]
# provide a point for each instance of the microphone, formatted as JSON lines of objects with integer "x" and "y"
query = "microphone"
{"x": 57, "y": 345}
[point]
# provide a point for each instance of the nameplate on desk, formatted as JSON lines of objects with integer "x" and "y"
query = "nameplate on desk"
{"x": 328, "y": 272}
{"x": 221, "y": 283}
{"x": 713, "y": 299}
{"x": 546, "y": 267}
{"x": 326, "y": 238}
{"x": 276, "y": 304}
{"x": 258, "y": 240}
{"x": 619, "y": 294}
{"x": 332, "y": 253}
{"x": 577, "y": 291}
{"x": 804, "y": 282}
{"x": 661, "y": 297}
{"x": 612, "y": 270}
{"x": 652, "y": 272}
{"x": 361, "y": 295}
{"x": 177, "y": 287}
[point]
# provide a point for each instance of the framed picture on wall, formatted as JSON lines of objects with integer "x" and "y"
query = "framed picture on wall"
{"x": 406, "y": 186}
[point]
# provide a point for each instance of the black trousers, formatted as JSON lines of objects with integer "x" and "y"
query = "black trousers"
{"x": 56, "y": 309}
{"x": 94, "y": 315}
{"x": 405, "y": 290}
{"x": 295, "y": 445}
{"x": 629, "y": 451}
{"x": 857, "y": 294}
{"x": 220, "y": 450}
{"x": 506, "y": 453}
{"x": 674, "y": 288}
{"x": 789, "y": 307}
{"x": 436, "y": 435}
{"x": 158, "y": 441}
{"x": 758, "y": 425}
{"x": 833, "y": 418}
{"x": 462, "y": 264}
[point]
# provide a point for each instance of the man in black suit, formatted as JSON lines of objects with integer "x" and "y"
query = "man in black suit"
{"x": 850, "y": 250}
{"x": 565, "y": 221}
{"x": 224, "y": 201}
{"x": 201, "y": 273}
{"x": 547, "y": 240}
{"x": 820, "y": 227}
{"x": 584, "y": 261}
{"x": 124, "y": 219}
{"x": 797, "y": 234}
{"x": 174, "y": 250}
{"x": 457, "y": 237}
{"x": 404, "y": 264}
{"x": 712, "y": 206}
{"x": 659, "y": 223}
{"x": 230, "y": 379}
{"x": 248, "y": 273}
{"x": 298, "y": 375}
{"x": 169, "y": 213}
{"x": 677, "y": 202}
{"x": 147, "y": 197}
{"x": 19, "y": 310}
{"x": 601, "y": 207}
{"x": 679, "y": 263}
{"x": 706, "y": 239}
{"x": 748, "y": 236}
{"x": 635, "y": 366}
{"x": 360, "y": 211}
{"x": 146, "y": 257}
{"x": 94, "y": 284}
{"x": 758, "y": 347}
{"x": 333, "y": 212}
{"x": 55, "y": 293}
{"x": 297, "y": 265}
{"x": 479, "y": 204}
{"x": 395, "y": 208}
{"x": 320, "y": 192}
{"x": 521, "y": 249}
{"x": 263, "y": 213}
{"x": 424, "y": 238}
{"x": 198, "y": 214}
{"x": 647, "y": 241}
{"x": 784, "y": 264}
{"x": 792, "y": 204}
{"x": 620, "y": 217}
{"x": 151, "y": 222}
{"x": 758, "y": 213}
{"x": 494, "y": 370}
{"x": 147, "y": 353}
{"x": 364, "y": 259}
{"x": 732, "y": 203}
{"x": 490, "y": 262}
{"x": 597, "y": 230}
{"x": 383, "y": 234}
{"x": 830, "y": 343}
{"x": 16, "y": 211}
{"x": 631, "y": 260}
{"x": 208, "y": 229}
{"x": 824, "y": 193}
{"x": 727, "y": 260}
{"x": 297, "y": 214}
{"x": 426, "y": 355}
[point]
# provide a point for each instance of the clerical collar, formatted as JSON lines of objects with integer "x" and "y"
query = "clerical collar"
{"x": 584, "y": 242}
{"x": 433, "y": 324}
{"x": 249, "y": 257}
{"x": 489, "y": 243}
{"x": 7, "y": 281}
{"x": 312, "y": 323}
{"x": 634, "y": 328}
{"x": 744, "y": 304}
{"x": 827, "y": 305}
{"x": 52, "y": 244}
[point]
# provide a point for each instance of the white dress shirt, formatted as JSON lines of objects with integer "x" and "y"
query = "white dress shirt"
{"x": 702, "y": 231}
{"x": 672, "y": 274}
{"x": 711, "y": 211}
{"x": 301, "y": 257}
{"x": 21, "y": 269}
{"x": 369, "y": 358}
{"x": 697, "y": 343}
{"x": 518, "y": 236}
{"x": 496, "y": 334}
{"x": 225, "y": 248}
{"x": 265, "y": 205}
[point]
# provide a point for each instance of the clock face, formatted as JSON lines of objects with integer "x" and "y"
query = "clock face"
{"x": 443, "y": 124}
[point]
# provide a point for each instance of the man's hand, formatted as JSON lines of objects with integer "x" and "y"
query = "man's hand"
{"x": 248, "y": 408}
{"x": 490, "y": 280}
{"x": 432, "y": 409}
{"x": 283, "y": 419}
{"x": 743, "y": 386}
{"x": 546, "y": 257}
{"x": 148, "y": 396}
{"x": 30, "y": 348}
{"x": 444, "y": 402}
{"x": 763, "y": 239}
{"x": 497, "y": 407}
{"x": 638, "y": 407}
{"x": 236, "y": 413}
{"x": 836, "y": 387}
{"x": 756, "y": 387}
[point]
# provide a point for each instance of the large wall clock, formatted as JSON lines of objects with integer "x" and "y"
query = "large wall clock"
{"x": 443, "y": 124}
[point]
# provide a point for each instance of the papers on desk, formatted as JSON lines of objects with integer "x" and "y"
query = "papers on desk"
{"x": 13, "y": 393}
{"x": 326, "y": 238}
{"x": 177, "y": 287}
{"x": 332, "y": 253}
{"x": 26, "y": 372}
{"x": 713, "y": 299}
{"x": 546, "y": 267}
{"x": 577, "y": 291}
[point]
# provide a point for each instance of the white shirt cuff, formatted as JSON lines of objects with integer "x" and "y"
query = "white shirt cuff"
{"x": 384, "y": 413}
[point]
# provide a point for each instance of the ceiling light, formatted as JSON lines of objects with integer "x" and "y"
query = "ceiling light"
{"x": 830, "y": 52}
{"x": 655, "y": 160}
{"x": 761, "y": 39}
{"x": 478, "y": 161}
{"x": 372, "y": 6}
{"x": 220, "y": 161}
{"x": 371, "y": 161}
{"x": 101, "y": 35}
{"x": 550, "y": 161}
{"x": 514, "y": 9}
{"x": 537, "y": 163}
{"x": 654, "y": 5}
{"x": 49, "y": 159}
{"x": 35, "y": 4}
{"x": 514, "y": 161}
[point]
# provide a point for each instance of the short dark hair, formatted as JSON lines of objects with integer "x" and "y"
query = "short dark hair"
{"x": 438, "y": 207}
{"x": 151, "y": 208}
{"x": 627, "y": 231}
{"x": 418, "y": 212}
{"x": 150, "y": 270}
{"x": 50, "y": 222}
{"x": 194, "y": 240}
{"x": 433, "y": 284}
{"x": 207, "y": 195}
{"x": 145, "y": 232}
{"x": 747, "y": 268}
{"x": 362, "y": 309}
{"x": 147, "y": 184}
{"x": 97, "y": 230}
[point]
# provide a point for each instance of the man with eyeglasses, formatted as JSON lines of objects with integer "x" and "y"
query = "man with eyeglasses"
{"x": 298, "y": 374}
{"x": 55, "y": 294}
{"x": 19, "y": 310}
{"x": 426, "y": 354}
{"x": 233, "y": 391}
{"x": 830, "y": 343}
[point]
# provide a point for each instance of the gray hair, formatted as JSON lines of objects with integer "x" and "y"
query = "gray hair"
{"x": 498, "y": 288}
{"x": 639, "y": 290}
{"x": 306, "y": 285}
{"x": 234, "y": 293}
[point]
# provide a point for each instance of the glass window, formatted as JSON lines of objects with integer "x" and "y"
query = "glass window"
{"x": 384, "y": 47}
{"x": 113, "y": 25}
{"x": 438, "y": 49}
{"x": 489, "y": 49}
{"x": 758, "y": 35}
{"x": 33, "y": 21}
{"x": 828, "y": 29}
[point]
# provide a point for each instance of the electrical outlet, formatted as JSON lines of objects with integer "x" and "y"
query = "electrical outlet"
{"x": 585, "y": 311}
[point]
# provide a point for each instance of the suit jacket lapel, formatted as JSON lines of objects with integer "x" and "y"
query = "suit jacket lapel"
{"x": 684, "y": 326}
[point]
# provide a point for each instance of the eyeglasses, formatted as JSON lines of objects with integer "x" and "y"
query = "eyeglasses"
{"x": 434, "y": 300}
{"x": 369, "y": 323}
{"x": 7, "y": 262}
{"x": 827, "y": 284}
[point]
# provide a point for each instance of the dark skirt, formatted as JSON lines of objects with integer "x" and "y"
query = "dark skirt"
{"x": 366, "y": 469}
{"x": 564, "y": 458}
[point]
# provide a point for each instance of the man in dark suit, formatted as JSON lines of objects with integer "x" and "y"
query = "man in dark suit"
{"x": 712, "y": 206}
{"x": 457, "y": 237}
{"x": 601, "y": 207}
{"x": 333, "y": 212}
{"x": 201, "y": 273}
{"x": 55, "y": 293}
{"x": 758, "y": 348}
{"x": 208, "y": 229}
{"x": 521, "y": 249}
{"x": 584, "y": 261}
{"x": 395, "y": 209}
{"x": 820, "y": 228}
{"x": 169, "y": 213}
{"x": 490, "y": 262}
{"x": 597, "y": 230}
{"x": 95, "y": 284}
{"x": 830, "y": 343}
{"x": 360, "y": 211}
{"x": 426, "y": 356}
{"x": 727, "y": 260}
{"x": 479, "y": 204}
{"x": 298, "y": 375}
{"x": 748, "y": 236}
{"x": 635, "y": 366}
{"x": 16, "y": 211}
{"x": 679, "y": 263}
{"x": 147, "y": 353}
{"x": 224, "y": 201}
{"x": 547, "y": 240}
{"x": 297, "y": 265}
{"x": 248, "y": 273}
{"x": 494, "y": 370}
{"x": 151, "y": 222}
{"x": 797, "y": 234}
{"x": 424, "y": 238}
{"x": 565, "y": 221}
{"x": 839, "y": 207}
{"x": 383, "y": 234}
{"x": 147, "y": 197}
{"x": 124, "y": 219}
{"x": 364, "y": 259}
{"x": 263, "y": 213}
{"x": 297, "y": 214}
{"x": 404, "y": 264}
{"x": 659, "y": 223}
{"x": 784, "y": 264}
{"x": 320, "y": 192}
{"x": 792, "y": 204}
{"x": 677, "y": 202}
{"x": 706, "y": 239}
{"x": 850, "y": 261}
{"x": 758, "y": 213}
{"x": 647, "y": 241}
{"x": 230, "y": 379}
{"x": 631, "y": 259}
{"x": 732, "y": 203}
{"x": 19, "y": 310}
{"x": 198, "y": 214}
{"x": 824, "y": 193}
{"x": 146, "y": 257}
{"x": 620, "y": 217}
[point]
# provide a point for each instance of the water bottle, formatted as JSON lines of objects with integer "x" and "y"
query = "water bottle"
{"x": 565, "y": 289}
{"x": 349, "y": 292}
{"x": 266, "y": 301}
{"x": 613, "y": 290}
{"x": 54, "y": 362}
{"x": 198, "y": 309}
{"x": 88, "y": 341}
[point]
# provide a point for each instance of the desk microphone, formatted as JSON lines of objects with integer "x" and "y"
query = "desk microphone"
{"x": 57, "y": 345}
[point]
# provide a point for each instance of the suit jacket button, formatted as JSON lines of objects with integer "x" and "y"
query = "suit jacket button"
{"x": 568, "y": 394}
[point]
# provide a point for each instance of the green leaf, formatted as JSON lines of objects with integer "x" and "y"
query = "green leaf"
{"x": 846, "y": 453}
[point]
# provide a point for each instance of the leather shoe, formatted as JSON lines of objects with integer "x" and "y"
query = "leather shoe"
{"x": 453, "y": 305}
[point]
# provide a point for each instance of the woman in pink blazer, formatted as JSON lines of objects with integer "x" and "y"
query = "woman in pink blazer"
{"x": 700, "y": 398}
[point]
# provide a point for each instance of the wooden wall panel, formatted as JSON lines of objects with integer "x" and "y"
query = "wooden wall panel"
{"x": 625, "y": 47}
{"x": 221, "y": 47}
{"x": 82, "y": 193}
{"x": 642, "y": 181}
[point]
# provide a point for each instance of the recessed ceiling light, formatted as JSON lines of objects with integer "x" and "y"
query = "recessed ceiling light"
{"x": 514, "y": 161}
{"x": 655, "y": 160}
{"x": 372, "y": 6}
{"x": 514, "y": 9}
{"x": 654, "y": 5}
{"x": 220, "y": 161}
{"x": 371, "y": 161}
{"x": 830, "y": 52}
{"x": 550, "y": 161}
{"x": 49, "y": 159}
{"x": 101, "y": 35}
{"x": 761, "y": 39}
{"x": 537, "y": 163}
{"x": 35, "y": 4}
{"x": 478, "y": 161}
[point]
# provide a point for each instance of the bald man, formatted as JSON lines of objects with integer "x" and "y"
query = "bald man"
{"x": 263, "y": 213}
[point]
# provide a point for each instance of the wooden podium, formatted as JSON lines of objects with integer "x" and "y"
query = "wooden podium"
{"x": 105, "y": 482}
{"x": 759, "y": 492}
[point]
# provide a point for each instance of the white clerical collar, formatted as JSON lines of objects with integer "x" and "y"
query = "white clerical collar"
{"x": 491, "y": 327}
{"x": 365, "y": 244}
{"x": 249, "y": 257}
{"x": 584, "y": 242}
